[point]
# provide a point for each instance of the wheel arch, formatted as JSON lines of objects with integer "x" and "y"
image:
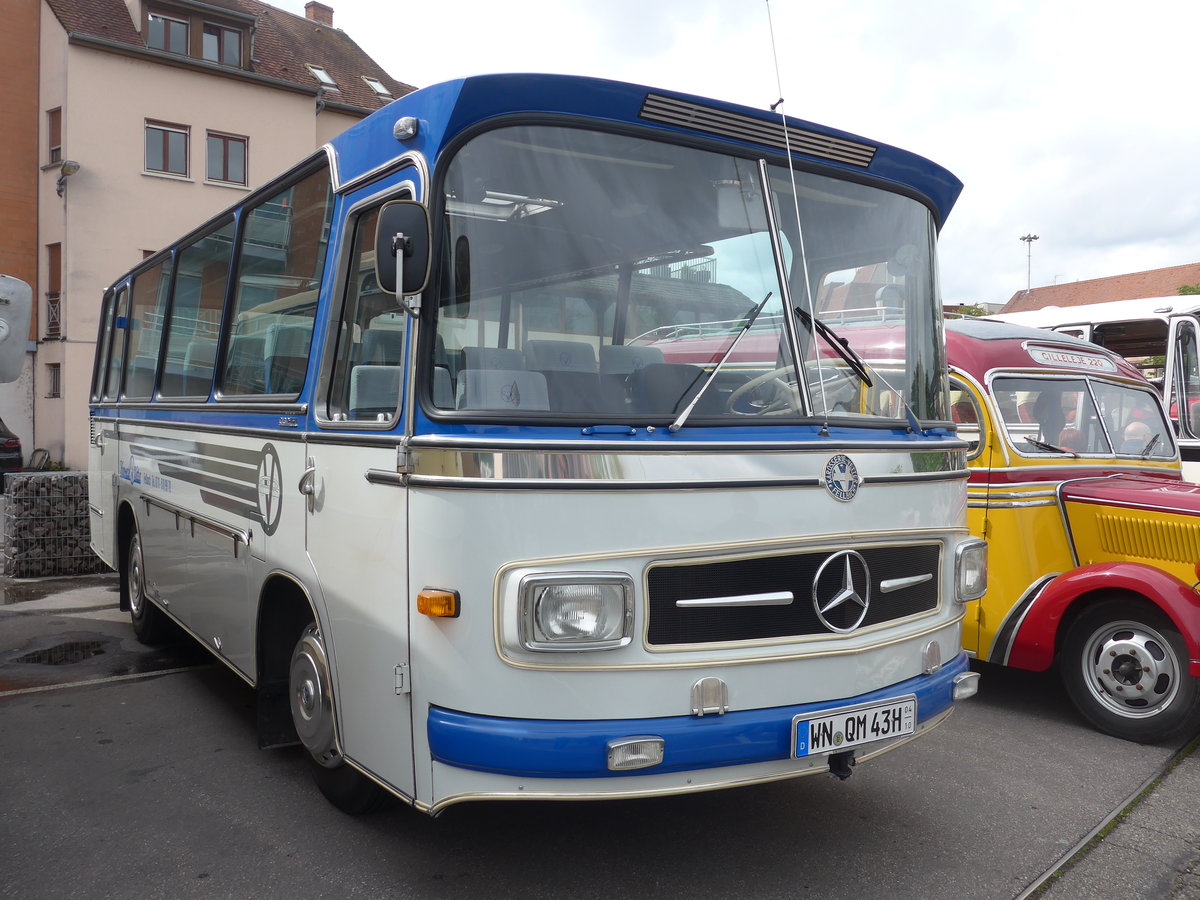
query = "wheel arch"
{"x": 285, "y": 609}
{"x": 1036, "y": 643}
{"x": 126, "y": 526}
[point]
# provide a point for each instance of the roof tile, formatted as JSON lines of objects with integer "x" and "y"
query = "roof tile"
{"x": 1133, "y": 286}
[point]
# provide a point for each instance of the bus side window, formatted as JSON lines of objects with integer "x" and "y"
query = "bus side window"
{"x": 112, "y": 378}
{"x": 201, "y": 278}
{"x": 368, "y": 369}
{"x": 283, "y": 246}
{"x": 150, "y": 292}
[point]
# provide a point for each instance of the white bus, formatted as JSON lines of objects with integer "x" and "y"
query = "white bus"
{"x": 1159, "y": 335}
{"x": 414, "y": 440}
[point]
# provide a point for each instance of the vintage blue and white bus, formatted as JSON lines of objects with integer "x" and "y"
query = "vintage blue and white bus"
{"x": 447, "y": 441}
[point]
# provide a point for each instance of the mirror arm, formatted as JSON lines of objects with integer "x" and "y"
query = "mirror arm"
{"x": 402, "y": 247}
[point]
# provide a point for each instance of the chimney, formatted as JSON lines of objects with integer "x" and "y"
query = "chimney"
{"x": 319, "y": 12}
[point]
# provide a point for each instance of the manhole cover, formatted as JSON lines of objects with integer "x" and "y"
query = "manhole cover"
{"x": 63, "y": 654}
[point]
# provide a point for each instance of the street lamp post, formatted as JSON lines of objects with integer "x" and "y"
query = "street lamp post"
{"x": 1029, "y": 239}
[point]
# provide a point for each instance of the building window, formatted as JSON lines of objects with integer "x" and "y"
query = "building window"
{"x": 54, "y": 135}
{"x": 222, "y": 45}
{"x": 167, "y": 148}
{"x": 226, "y": 156}
{"x": 165, "y": 33}
{"x": 378, "y": 87}
{"x": 322, "y": 76}
{"x": 53, "y": 290}
{"x": 53, "y": 380}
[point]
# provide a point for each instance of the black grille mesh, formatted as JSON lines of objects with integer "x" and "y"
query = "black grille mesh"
{"x": 670, "y": 624}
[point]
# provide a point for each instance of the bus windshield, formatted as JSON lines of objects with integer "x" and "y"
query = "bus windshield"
{"x": 597, "y": 276}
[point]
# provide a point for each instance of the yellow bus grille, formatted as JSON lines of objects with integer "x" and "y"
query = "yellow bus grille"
{"x": 1149, "y": 538}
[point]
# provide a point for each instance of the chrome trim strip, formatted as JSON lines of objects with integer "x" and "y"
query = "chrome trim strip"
{"x": 270, "y": 407}
{"x": 776, "y": 598}
{"x": 382, "y": 476}
{"x": 1010, "y": 627}
{"x": 237, "y": 535}
{"x": 93, "y": 508}
{"x": 823, "y": 445}
{"x": 952, "y": 475}
{"x": 898, "y": 584}
{"x": 1011, "y": 504}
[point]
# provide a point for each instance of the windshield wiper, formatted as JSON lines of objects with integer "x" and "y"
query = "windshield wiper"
{"x": 749, "y": 320}
{"x": 1150, "y": 445}
{"x": 1050, "y": 448}
{"x": 840, "y": 345}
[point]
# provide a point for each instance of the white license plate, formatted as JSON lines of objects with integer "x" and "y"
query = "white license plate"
{"x": 851, "y": 726}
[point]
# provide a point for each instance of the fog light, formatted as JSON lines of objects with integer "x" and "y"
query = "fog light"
{"x": 966, "y": 685}
{"x": 635, "y": 753}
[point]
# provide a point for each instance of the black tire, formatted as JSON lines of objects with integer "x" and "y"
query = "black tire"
{"x": 311, "y": 701}
{"x": 1125, "y": 667}
{"x": 150, "y": 624}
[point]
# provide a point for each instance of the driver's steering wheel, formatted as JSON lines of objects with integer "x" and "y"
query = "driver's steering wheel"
{"x": 786, "y": 396}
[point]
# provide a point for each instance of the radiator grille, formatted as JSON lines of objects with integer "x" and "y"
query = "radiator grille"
{"x": 722, "y": 123}
{"x": 1150, "y": 538}
{"x": 670, "y": 624}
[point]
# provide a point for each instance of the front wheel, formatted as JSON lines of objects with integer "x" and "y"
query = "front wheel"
{"x": 1125, "y": 667}
{"x": 310, "y": 692}
{"x": 150, "y": 623}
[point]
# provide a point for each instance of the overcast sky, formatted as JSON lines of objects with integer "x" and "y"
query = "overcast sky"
{"x": 1075, "y": 121}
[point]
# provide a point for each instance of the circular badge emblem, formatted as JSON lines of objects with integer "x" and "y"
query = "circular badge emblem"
{"x": 270, "y": 489}
{"x": 841, "y": 591}
{"x": 841, "y": 477}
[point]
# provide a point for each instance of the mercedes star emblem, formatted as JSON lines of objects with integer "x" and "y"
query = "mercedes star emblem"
{"x": 842, "y": 591}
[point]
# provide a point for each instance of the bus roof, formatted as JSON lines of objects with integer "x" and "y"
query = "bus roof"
{"x": 1099, "y": 313}
{"x": 446, "y": 110}
{"x": 977, "y": 346}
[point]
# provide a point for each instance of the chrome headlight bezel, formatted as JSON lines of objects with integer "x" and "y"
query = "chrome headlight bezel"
{"x": 538, "y": 605}
{"x": 970, "y": 570}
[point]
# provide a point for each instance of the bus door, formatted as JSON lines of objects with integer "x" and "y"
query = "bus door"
{"x": 1181, "y": 390}
{"x": 103, "y": 448}
{"x": 357, "y": 520}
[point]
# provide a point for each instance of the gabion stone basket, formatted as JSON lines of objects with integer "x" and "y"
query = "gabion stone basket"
{"x": 46, "y": 530}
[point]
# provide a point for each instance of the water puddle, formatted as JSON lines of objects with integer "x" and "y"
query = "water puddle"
{"x": 65, "y": 654}
{"x": 23, "y": 590}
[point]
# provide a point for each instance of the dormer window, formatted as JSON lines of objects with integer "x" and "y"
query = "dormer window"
{"x": 222, "y": 45}
{"x": 322, "y": 76}
{"x": 194, "y": 34}
{"x": 166, "y": 33}
{"x": 378, "y": 87}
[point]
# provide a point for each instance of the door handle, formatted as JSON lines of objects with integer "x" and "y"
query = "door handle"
{"x": 307, "y": 485}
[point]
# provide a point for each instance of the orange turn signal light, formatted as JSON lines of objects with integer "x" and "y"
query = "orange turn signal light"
{"x": 438, "y": 604}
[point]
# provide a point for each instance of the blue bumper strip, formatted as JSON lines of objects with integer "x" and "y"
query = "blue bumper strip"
{"x": 579, "y": 748}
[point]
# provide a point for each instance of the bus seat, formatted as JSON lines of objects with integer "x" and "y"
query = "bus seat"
{"x": 502, "y": 389}
{"x": 617, "y": 364}
{"x": 374, "y": 390}
{"x": 666, "y": 387}
{"x": 198, "y": 360}
{"x": 443, "y": 388}
{"x": 493, "y": 358}
{"x": 244, "y": 372}
{"x": 572, "y": 378}
{"x": 963, "y": 412}
{"x": 383, "y": 346}
{"x": 287, "y": 358}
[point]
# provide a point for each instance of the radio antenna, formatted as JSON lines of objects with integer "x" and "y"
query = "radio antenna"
{"x": 777, "y": 106}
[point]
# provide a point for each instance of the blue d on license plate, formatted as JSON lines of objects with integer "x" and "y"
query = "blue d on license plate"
{"x": 851, "y": 726}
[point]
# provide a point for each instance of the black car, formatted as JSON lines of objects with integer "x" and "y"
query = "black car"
{"x": 10, "y": 450}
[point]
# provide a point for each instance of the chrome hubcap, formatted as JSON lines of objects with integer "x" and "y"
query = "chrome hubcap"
{"x": 137, "y": 592}
{"x": 311, "y": 698}
{"x": 1131, "y": 669}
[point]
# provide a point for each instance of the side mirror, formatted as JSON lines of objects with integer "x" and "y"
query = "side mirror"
{"x": 402, "y": 248}
{"x": 16, "y": 306}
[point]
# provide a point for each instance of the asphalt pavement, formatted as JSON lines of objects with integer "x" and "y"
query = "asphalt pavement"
{"x": 1148, "y": 847}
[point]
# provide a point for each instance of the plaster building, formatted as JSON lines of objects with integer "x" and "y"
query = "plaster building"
{"x": 129, "y": 123}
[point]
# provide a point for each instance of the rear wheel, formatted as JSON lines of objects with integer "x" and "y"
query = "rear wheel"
{"x": 150, "y": 624}
{"x": 1125, "y": 666}
{"x": 310, "y": 692}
